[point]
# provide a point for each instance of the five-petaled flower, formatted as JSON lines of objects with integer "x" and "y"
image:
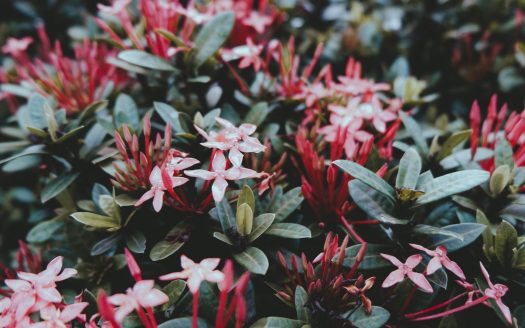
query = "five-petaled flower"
{"x": 196, "y": 273}
{"x": 439, "y": 259}
{"x": 406, "y": 270}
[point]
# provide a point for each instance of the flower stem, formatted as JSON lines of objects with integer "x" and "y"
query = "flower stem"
{"x": 452, "y": 311}
{"x": 195, "y": 309}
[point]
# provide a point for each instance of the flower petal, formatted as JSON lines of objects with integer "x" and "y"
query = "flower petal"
{"x": 393, "y": 278}
{"x": 219, "y": 188}
{"x": 420, "y": 280}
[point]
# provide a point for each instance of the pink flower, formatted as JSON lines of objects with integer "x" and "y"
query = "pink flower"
{"x": 496, "y": 292}
{"x": 55, "y": 318}
{"x": 15, "y": 46}
{"x": 143, "y": 294}
{"x": 117, "y": 7}
{"x": 43, "y": 283}
{"x": 235, "y": 139}
{"x": 439, "y": 259}
{"x": 249, "y": 55}
{"x": 257, "y": 21}
{"x": 196, "y": 273}
{"x": 220, "y": 175}
{"x": 178, "y": 163}
{"x": 7, "y": 312}
{"x": 405, "y": 269}
{"x": 158, "y": 186}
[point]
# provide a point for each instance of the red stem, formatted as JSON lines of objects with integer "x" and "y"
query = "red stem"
{"x": 195, "y": 309}
{"x": 452, "y": 311}
{"x": 435, "y": 307}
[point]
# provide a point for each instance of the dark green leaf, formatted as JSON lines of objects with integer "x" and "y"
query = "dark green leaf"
{"x": 469, "y": 231}
{"x": 288, "y": 230}
{"x": 367, "y": 177}
{"x": 377, "y": 318}
{"x": 136, "y": 241}
{"x": 253, "y": 260}
{"x": 409, "y": 169}
{"x": 212, "y": 36}
{"x": 260, "y": 224}
{"x": 300, "y": 300}
{"x": 57, "y": 185}
{"x": 44, "y": 231}
{"x": 146, "y": 60}
{"x": 451, "y": 184}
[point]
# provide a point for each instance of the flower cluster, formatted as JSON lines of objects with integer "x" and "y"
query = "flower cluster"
{"x": 35, "y": 295}
{"x": 75, "y": 83}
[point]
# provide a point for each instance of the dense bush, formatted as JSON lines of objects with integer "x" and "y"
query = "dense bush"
{"x": 262, "y": 164}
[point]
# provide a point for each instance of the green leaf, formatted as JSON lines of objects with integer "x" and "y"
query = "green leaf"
{"x": 183, "y": 323}
{"x": 409, "y": 169}
{"x": 286, "y": 204}
{"x": 225, "y": 215}
{"x": 260, "y": 224}
{"x": 174, "y": 290}
{"x": 126, "y": 112}
{"x": 177, "y": 120}
{"x": 372, "y": 259}
{"x": 164, "y": 249}
{"x": 452, "y": 142}
{"x": 451, "y": 184}
{"x": 257, "y": 113}
{"x": 44, "y": 231}
{"x": 377, "y": 318}
{"x": 503, "y": 154}
{"x": 146, "y": 60}
{"x": 300, "y": 300}
{"x": 136, "y": 241}
{"x": 469, "y": 231}
{"x": 105, "y": 244}
{"x": 96, "y": 220}
{"x": 372, "y": 202}
{"x": 424, "y": 229}
{"x": 439, "y": 278}
{"x": 253, "y": 260}
{"x": 244, "y": 219}
{"x": 415, "y": 132}
{"x": 57, "y": 185}
{"x": 277, "y": 322}
{"x": 288, "y": 230}
{"x": 246, "y": 196}
{"x": 212, "y": 36}
{"x": 222, "y": 237}
{"x": 506, "y": 239}
{"x": 367, "y": 177}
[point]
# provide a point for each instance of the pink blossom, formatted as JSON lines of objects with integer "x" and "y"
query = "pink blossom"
{"x": 220, "y": 175}
{"x": 53, "y": 317}
{"x": 14, "y": 46}
{"x": 117, "y": 7}
{"x": 496, "y": 292}
{"x": 7, "y": 312}
{"x": 406, "y": 270}
{"x": 235, "y": 139}
{"x": 143, "y": 294}
{"x": 249, "y": 55}
{"x": 196, "y": 273}
{"x": 257, "y": 21}
{"x": 158, "y": 187}
{"x": 439, "y": 259}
